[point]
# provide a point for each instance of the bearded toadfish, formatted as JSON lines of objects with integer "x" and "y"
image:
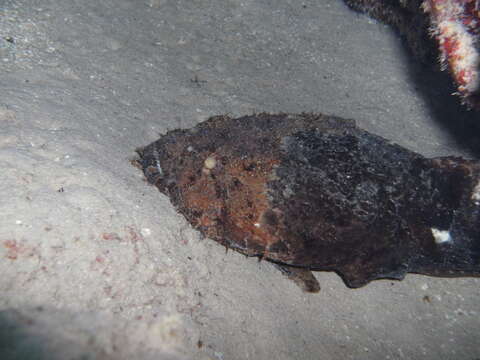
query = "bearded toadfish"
{"x": 313, "y": 192}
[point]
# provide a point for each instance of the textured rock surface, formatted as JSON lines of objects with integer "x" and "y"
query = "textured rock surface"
{"x": 86, "y": 82}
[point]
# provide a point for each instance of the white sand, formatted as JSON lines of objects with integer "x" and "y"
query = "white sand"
{"x": 96, "y": 263}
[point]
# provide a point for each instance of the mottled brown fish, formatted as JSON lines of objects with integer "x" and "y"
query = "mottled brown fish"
{"x": 315, "y": 192}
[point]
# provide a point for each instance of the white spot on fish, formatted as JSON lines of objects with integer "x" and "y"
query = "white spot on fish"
{"x": 210, "y": 162}
{"x": 441, "y": 236}
{"x": 476, "y": 194}
{"x": 156, "y": 156}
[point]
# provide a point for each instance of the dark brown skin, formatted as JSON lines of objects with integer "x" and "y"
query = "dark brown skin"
{"x": 314, "y": 192}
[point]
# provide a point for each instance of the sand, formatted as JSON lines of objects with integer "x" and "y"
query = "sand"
{"x": 96, "y": 264}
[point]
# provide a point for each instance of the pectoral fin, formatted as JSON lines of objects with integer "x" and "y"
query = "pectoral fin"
{"x": 304, "y": 278}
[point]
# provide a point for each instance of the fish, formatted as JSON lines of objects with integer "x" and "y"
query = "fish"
{"x": 314, "y": 192}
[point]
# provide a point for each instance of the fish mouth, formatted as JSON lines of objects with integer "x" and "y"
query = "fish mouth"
{"x": 149, "y": 161}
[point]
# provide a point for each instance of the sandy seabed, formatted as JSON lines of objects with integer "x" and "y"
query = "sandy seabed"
{"x": 96, "y": 264}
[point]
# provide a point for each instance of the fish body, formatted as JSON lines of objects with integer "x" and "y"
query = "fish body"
{"x": 316, "y": 193}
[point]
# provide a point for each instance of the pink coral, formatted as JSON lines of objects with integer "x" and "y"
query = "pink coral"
{"x": 456, "y": 26}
